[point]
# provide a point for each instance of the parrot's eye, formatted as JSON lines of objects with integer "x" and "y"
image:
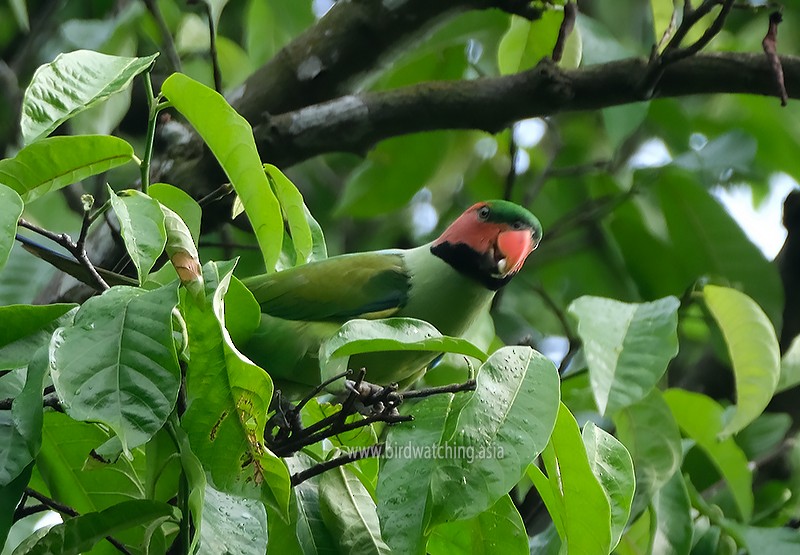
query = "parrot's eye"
{"x": 483, "y": 212}
{"x": 518, "y": 225}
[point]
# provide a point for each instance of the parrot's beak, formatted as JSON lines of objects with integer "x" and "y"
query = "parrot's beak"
{"x": 513, "y": 247}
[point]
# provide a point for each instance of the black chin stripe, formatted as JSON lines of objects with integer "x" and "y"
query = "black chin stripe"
{"x": 471, "y": 263}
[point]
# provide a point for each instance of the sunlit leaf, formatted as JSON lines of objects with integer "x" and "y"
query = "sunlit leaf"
{"x": 71, "y": 83}
{"x": 230, "y": 138}
{"x": 526, "y": 42}
{"x": 294, "y": 210}
{"x": 753, "y": 348}
{"x": 181, "y": 203}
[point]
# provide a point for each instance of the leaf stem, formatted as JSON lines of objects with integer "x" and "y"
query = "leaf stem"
{"x": 152, "y": 115}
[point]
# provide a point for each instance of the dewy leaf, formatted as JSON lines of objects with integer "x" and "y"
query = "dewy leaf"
{"x": 79, "y": 534}
{"x": 72, "y": 83}
{"x": 406, "y": 472}
{"x": 11, "y": 206}
{"x": 141, "y": 223}
{"x": 294, "y": 210}
{"x": 701, "y": 419}
{"x": 581, "y": 504}
{"x": 56, "y": 162}
{"x": 612, "y": 465}
{"x": 232, "y": 524}
{"x": 349, "y": 513}
{"x": 753, "y": 349}
{"x": 227, "y": 401}
{"x": 388, "y": 334}
{"x": 230, "y": 138}
{"x": 653, "y": 439}
{"x": 503, "y": 426}
{"x": 498, "y": 529}
{"x": 117, "y": 363}
{"x": 627, "y": 346}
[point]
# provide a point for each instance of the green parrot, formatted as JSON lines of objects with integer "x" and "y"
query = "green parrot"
{"x": 447, "y": 282}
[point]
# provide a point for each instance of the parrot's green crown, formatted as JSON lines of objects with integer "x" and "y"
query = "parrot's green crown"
{"x": 507, "y": 212}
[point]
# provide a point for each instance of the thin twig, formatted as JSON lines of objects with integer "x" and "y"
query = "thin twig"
{"x": 75, "y": 249}
{"x": 336, "y": 462}
{"x": 513, "y": 152}
{"x": 166, "y": 36}
{"x": 212, "y": 50}
{"x": 770, "y": 46}
{"x": 468, "y": 385}
{"x": 220, "y": 192}
{"x": 567, "y": 24}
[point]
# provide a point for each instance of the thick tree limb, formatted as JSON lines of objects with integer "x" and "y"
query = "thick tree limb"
{"x": 355, "y": 123}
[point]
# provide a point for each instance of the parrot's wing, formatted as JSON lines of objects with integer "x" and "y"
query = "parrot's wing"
{"x": 367, "y": 285}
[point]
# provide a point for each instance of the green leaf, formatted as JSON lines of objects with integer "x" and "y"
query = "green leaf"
{"x": 388, "y": 334}
{"x": 71, "y": 83}
{"x": 21, "y": 434}
{"x": 28, "y": 319}
{"x": 673, "y": 514}
{"x": 500, "y": 430}
{"x": 621, "y": 121}
{"x": 651, "y": 435}
{"x": 117, "y": 363}
{"x": 181, "y": 203}
{"x": 613, "y": 466}
{"x": 499, "y": 529}
{"x": 56, "y": 162}
{"x": 790, "y": 367}
{"x": 228, "y": 397}
{"x": 18, "y": 353}
{"x": 527, "y": 42}
{"x": 775, "y": 541}
{"x": 627, "y": 346}
{"x": 11, "y": 206}
{"x": 10, "y": 496}
{"x": 753, "y": 349}
{"x": 79, "y": 534}
{"x": 404, "y": 478}
{"x": 582, "y": 513}
{"x": 20, "y": 10}
{"x": 232, "y": 524}
{"x": 708, "y": 241}
{"x": 242, "y": 312}
{"x": 349, "y": 513}
{"x": 195, "y": 476}
{"x": 294, "y": 211}
{"x": 141, "y": 223}
{"x": 701, "y": 419}
{"x": 230, "y": 138}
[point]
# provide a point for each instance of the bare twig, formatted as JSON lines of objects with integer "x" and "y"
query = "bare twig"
{"x": 336, "y": 462}
{"x": 568, "y": 23}
{"x": 513, "y": 152}
{"x": 166, "y": 36}
{"x": 78, "y": 250}
{"x": 212, "y": 49}
{"x": 770, "y": 46}
{"x": 468, "y": 385}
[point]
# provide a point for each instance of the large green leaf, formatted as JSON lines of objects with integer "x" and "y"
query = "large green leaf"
{"x": 17, "y": 354}
{"x": 404, "y": 478}
{"x": 71, "y": 83}
{"x": 350, "y": 514}
{"x": 627, "y": 346}
{"x": 180, "y": 202}
{"x": 309, "y": 532}
{"x": 653, "y": 439}
{"x": 10, "y": 496}
{"x": 141, "y": 223}
{"x": 701, "y": 419}
{"x": 527, "y": 42}
{"x": 753, "y": 349}
{"x": 389, "y": 334}
{"x": 21, "y": 434}
{"x": 28, "y": 319}
{"x": 79, "y": 534}
{"x": 11, "y": 206}
{"x": 56, "y": 162}
{"x": 775, "y": 541}
{"x": 710, "y": 242}
{"x": 227, "y": 401}
{"x": 117, "y": 363}
{"x": 499, "y": 431}
{"x": 572, "y": 493}
{"x": 612, "y": 465}
{"x": 232, "y": 524}
{"x": 230, "y": 138}
{"x": 498, "y": 529}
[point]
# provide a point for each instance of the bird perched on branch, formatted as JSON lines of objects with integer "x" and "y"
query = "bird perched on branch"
{"x": 447, "y": 282}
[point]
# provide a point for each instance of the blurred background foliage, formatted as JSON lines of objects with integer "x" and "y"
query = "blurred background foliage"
{"x": 638, "y": 201}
